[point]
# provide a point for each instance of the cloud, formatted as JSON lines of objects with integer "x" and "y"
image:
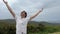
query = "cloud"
{"x": 52, "y": 3}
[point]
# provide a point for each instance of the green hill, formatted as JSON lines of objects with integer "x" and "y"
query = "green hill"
{"x": 12, "y": 21}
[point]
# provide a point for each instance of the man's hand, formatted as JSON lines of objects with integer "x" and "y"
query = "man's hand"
{"x": 5, "y": 1}
{"x": 41, "y": 10}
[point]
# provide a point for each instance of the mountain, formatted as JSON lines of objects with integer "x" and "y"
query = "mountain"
{"x": 7, "y": 21}
{"x": 30, "y": 22}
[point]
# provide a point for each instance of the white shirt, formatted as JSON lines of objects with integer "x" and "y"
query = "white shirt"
{"x": 21, "y": 24}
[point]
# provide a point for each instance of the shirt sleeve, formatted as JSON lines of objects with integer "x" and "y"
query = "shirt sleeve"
{"x": 28, "y": 18}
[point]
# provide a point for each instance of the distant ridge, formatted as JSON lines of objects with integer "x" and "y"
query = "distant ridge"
{"x": 30, "y": 22}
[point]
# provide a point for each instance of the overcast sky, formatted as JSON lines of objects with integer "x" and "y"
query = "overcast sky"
{"x": 51, "y": 10}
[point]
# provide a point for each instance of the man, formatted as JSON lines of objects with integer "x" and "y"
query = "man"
{"x": 22, "y": 20}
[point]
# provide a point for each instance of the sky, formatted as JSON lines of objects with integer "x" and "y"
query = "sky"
{"x": 51, "y": 10}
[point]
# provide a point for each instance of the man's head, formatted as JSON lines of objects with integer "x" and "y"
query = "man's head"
{"x": 23, "y": 14}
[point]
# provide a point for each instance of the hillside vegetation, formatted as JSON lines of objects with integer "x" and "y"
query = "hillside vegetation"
{"x": 9, "y": 27}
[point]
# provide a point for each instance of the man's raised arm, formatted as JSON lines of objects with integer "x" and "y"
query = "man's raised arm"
{"x": 9, "y": 8}
{"x": 37, "y": 13}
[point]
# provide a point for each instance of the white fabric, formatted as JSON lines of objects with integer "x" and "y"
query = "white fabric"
{"x": 21, "y": 24}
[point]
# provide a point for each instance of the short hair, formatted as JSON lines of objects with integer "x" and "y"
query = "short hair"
{"x": 25, "y": 13}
